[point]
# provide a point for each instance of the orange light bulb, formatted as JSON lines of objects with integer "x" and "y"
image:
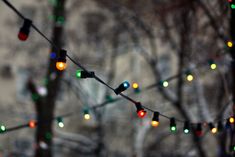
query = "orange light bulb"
{"x": 154, "y": 123}
{"x": 61, "y": 66}
{"x": 32, "y": 123}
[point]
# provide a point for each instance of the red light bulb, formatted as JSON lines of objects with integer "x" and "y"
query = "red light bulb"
{"x": 22, "y": 36}
{"x": 199, "y": 130}
{"x": 140, "y": 110}
{"x": 32, "y": 123}
{"x": 24, "y": 30}
{"x": 141, "y": 113}
{"x": 199, "y": 133}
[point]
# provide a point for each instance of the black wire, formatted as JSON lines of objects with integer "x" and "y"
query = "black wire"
{"x": 13, "y": 8}
{"x": 16, "y": 128}
{"x": 44, "y": 36}
{"x": 76, "y": 63}
{"x": 128, "y": 98}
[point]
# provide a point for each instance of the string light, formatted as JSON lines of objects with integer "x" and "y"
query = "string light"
{"x": 60, "y": 20}
{"x": 35, "y": 96}
{"x": 135, "y": 86}
{"x": 212, "y": 64}
{"x": 42, "y": 91}
{"x": 155, "y": 119}
{"x": 233, "y": 6}
{"x": 122, "y": 87}
{"x": 186, "y": 127}
{"x": 108, "y": 98}
{"x": 164, "y": 83}
{"x": 212, "y": 128}
{"x": 61, "y": 61}
{"x": 189, "y": 76}
{"x": 231, "y": 120}
{"x": 60, "y": 122}
{"x": 61, "y": 65}
{"x": 199, "y": 130}
{"x": 24, "y": 30}
{"x": 84, "y": 74}
{"x": 230, "y": 44}
{"x": 53, "y": 55}
{"x": 173, "y": 125}
{"x": 2, "y": 128}
{"x": 32, "y": 123}
{"x": 86, "y": 114}
{"x": 140, "y": 110}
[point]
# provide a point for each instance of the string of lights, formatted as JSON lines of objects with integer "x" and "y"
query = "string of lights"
{"x": 138, "y": 90}
{"x": 162, "y": 84}
{"x": 84, "y": 73}
{"x": 33, "y": 123}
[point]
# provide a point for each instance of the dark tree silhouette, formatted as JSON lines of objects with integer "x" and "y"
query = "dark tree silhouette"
{"x": 45, "y": 106}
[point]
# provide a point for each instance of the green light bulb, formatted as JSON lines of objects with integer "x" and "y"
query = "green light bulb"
{"x": 233, "y": 6}
{"x": 35, "y": 97}
{"x": 48, "y": 135}
{"x": 2, "y": 128}
{"x": 173, "y": 128}
{"x": 78, "y": 74}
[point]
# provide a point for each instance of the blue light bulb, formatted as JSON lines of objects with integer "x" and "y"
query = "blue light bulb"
{"x": 53, "y": 55}
{"x": 126, "y": 84}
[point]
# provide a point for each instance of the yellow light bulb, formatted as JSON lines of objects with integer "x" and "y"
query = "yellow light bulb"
{"x": 190, "y": 77}
{"x": 135, "y": 85}
{"x": 213, "y": 66}
{"x": 230, "y": 44}
{"x": 231, "y": 120}
{"x": 61, "y": 66}
{"x": 165, "y": 84}
{"x": 154, "y": 123}
{"x": 214, "y": 130}
{"x": 87, "y": 116}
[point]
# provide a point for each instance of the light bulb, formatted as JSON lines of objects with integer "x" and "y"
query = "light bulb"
{"x": 61, "y": 66}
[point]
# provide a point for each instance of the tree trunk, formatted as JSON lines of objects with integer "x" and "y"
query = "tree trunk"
{"x": 45, "y": 105}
